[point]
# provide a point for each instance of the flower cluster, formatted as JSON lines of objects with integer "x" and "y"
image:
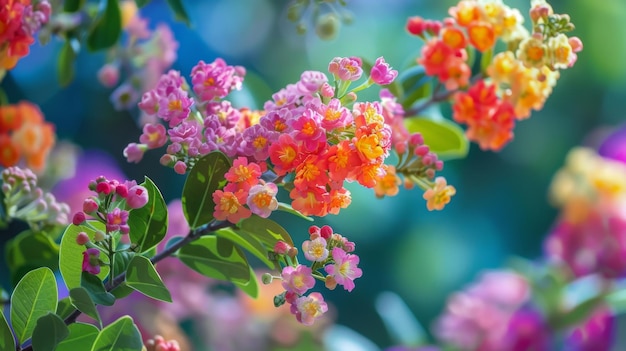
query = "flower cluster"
{"x": 497, "y": 314}
{"x": 144, "y": 56}
{"x": 110, "y": 206}
{"x": 24, "y": 200}
{"x": 158, "y": 343}
{"x": 511, "y": 83}
{"x": 590, "y": 234}
{"x": 311, "y": 137}
{"x": 20, "y": 21}
{"x": 327, "y": 22}
{"x": 25, "y": 135}
{"x": 327, "y": 251}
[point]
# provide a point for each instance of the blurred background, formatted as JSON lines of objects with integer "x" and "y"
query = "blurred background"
{"x": 501, "y": 207}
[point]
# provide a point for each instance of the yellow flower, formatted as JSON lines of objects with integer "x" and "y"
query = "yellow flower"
{"x": 438, "y": 196}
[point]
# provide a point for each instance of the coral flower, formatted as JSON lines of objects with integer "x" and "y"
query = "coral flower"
{"x": 242, "y": 175}
{"x": 228, "y": 206}
{"x": 437, "y": 197}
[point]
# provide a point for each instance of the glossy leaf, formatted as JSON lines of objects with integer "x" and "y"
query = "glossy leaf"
{"x": 65, "y": 63}
{"x": 121, "y": 291}
{"x": 49, "y": 331}
{"x": 148, "y": 224}
{"x": 82, "y": 301}
{"x": 485, "y": 60}
{"x": 179, "y": 11}
{"x": 443, "y": 136}
{"x": 122, "y": 260}
{"x": 81, "y": 337}
{"x": 206, "y": 176}
{"x": 266, "y": 230}
{"x": 98, "y": 293}
{"x": 247, "y": 242}
{"x": 251, "y": 287}
{"x": 107, "y": 28}
{"x": 30, "y": 250}
{"x": 7, "y": 341}
{"x": 143, "y": 277}
{"x": 289, "y": 209}
{"x": 65, "y": 308}
{"x": 34, "y": 296}
{"x": 71, "y": 254}
{"x": 121, "y": 335}
{"x": 216, "y": 258}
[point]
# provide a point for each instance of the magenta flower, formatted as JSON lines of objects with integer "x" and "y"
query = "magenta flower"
{"x": 297, "y": 280}
{"x": 154, "y": 135}
{"x": 345, "y": 269}
{"x": 311, "y": 81}
{"x": 308, "y": 130}
{"x": 381, "y": 73}
{"x": 226, "y": 114}
{"x": 307, "y": 309}
{"x": 257, "y": 141}
{"x": 117, "y": 220}
{"x": 596, "y": 334}
{"x": 137, "y": 197}
{"x": 334, "y": 115}
{"x": 175, "y": 107}
{"x": 134, "y": 152}
{"x": 149, "y": 102}
{"x": 346, "y": 68}
{"x": 216, "y": 79}
{"x": 91, "y": 261}
{"x": 262, "y": 199}
{"x": 315, "y": 250}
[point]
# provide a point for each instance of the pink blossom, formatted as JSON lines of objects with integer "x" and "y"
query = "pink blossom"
{"x": 79, "y": 218}
{"x": 229, "y": 206}
{"x": 82, "y": 238}
{"x": 180, "y": 167}
{"x": 308, "y": 130}
{"x": 311, "y": 81}
{"x": 137, "y": 197}
{"x": 117, "y": 220}
{"x": 149, "y": 102}
{"x": 298, "y": 279}
{"x": 381, "y": 73}
{"x": 345, "y": 269}
{"x": 216, "y": 79}
{"x": 154, "y": 135}
{"x": 346, "y": 68}
{"x": 91, "y": 262}
{"x": 334, "y": 115}
{"x": 307, "y": 309}
{"x": 124, "y": 97}
{"x": 134, "y": 152}
{"x": 90, "y": 206}
{"x": 108, "y": 75}
{"x": 315, "y": 250}
{"x": 175, "y": 107}
{"x": 262, "y": 199}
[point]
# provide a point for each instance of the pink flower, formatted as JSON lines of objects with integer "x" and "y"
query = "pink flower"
{"x": 137, "y": 197}
{"x": 381, "y": 73}
{"x": 315, "y": 250}
{"x": 117, "y": 220}
{"x": 175, "y": 107}
{"x": 345, "y": 68}
{"x": 82, "y": 238}
{"x": 91, "y": 258}
{"x": 309, "y": 308}
{"x": 109, "y": 75}
{"x": 180, "y": 167}
{"x": 79, "y": 218}
{"x": 154, "y": 135}
{"x": 262, "y": 199}
{"x": 229, "y": 206}
{"x": 297, "y": 280}
{"x": 216, "y": 79}
{"x": 134, "y": 152}
{"x": 345, "y": 269}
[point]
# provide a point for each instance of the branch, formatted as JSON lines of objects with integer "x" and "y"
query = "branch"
{"x": 119, "y": 279}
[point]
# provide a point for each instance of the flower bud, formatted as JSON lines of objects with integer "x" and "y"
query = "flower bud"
{"x": 103, "y": 188}
{"x": 281, "y": 247}
{"x": 266, "y": 278}
{"x": 137, "y": 197}
{"x": 82, "y": 238}
{"x": 90, "y": 206}
{"x": 99, "y": 236}
{"x": 292, "y": 252}
{"x": 327, "y": 26}
{"x": 108, "y": 75}
{"x": 279, "y": 300}
{"x": 326, "y": 232}
{"x": 79, "y": 218}
{"x": 330, "y": 282}
{"x": 121, "y": 190}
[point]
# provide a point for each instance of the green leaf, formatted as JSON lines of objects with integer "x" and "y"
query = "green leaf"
{"x": 148, "y": 224}
{"x": 82, "y": 301}
{"x": 142, "y": 3}
{"x": 266, "y": 230}
{"x": 578, "y": 314}
{"x": 49, "y": 332}
{"x": 34, "y": 296}
{"x": 206, "y": 176}
{"x": 216, "y": 258}
{"x": 71, "y": 254}
{"x": 107, "y": 28}
{"x": 81, "y": 337}
{"x": 98, "y": 293}
{"x": 7, "y": 341}
{"x": 143, "y": 277}
{"x": 121, "y": 261}
{"x": 72, "y": 5}
{"x": 485, "y": 60}
{"x": 247, "y": 242}
{"x": 30, "y": 250}
{"x": 287, "y": 208}
{"x": 251, "y": 287}
{"x": 444, "y": 137}
{"x": 179, "y": 11}
{"x": 121, "y": 335}
{"x": 65, "y": 63}
{"x": 65, "y": 308}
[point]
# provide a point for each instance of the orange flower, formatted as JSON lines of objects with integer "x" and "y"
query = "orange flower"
{"x": 10, "y": 118}
{"x": 310, "y": 201}
{"x": 481, "y": 36}
{"x": 9, "y": 153}
{"x": 438, "y": 196}
{"x": 387, "y": 184}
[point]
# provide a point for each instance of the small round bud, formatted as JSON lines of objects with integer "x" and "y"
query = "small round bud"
{"x": 99, "y": 236}
{"x": 103, "y": 188}
{"x": 121, "y": 190}
{"x": 79, "y": 218}
{"x": 293, "y": 252}
{"x": 327, "y": 26}
{"x": 266, "y": 278}
{"x": 82, "y": 238}
{"x": 301, "y": 28}
{"x": 281, "y": 247}
{"x": 90, "y": 206}
{"x": 279, "y": 300}
{"x": 330, "y": 282}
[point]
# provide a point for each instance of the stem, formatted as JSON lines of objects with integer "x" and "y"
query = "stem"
{"x": 436, "y": 98}
{"x": 119, "y": 279}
